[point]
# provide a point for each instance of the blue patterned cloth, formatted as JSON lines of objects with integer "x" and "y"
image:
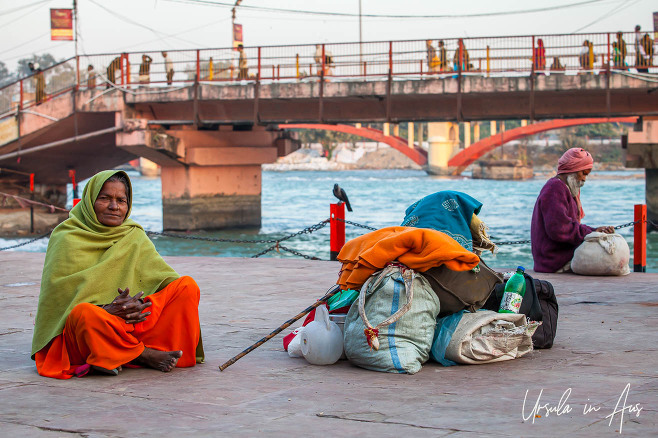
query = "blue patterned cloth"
{"x": 447, "y": 211}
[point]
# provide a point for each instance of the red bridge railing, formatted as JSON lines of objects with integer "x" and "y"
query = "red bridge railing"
{"x": 507, "y": 56}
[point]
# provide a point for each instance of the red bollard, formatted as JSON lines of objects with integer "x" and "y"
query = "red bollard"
{"x": 640, "y": 239}
{"x": 75, "y": 187}
{"x": 337, "y": 227}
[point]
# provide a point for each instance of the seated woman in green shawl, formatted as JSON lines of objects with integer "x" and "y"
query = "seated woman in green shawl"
{"x": 86, "y": 318}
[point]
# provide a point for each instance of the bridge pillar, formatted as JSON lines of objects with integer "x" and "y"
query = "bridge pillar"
{"x": 443, "y": 141}
{"x": 476, "y": 132}
{"x": 210, "y": 179}
{"x": 642, "y": 152}
{"x": 410, "y": 134}
{"x": 493, "y": 130}
{"x": 467, "y": 134}
{"x": 387, "y": 129}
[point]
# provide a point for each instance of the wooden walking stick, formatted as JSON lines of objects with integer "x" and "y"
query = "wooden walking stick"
{"x": 330, "y": 293}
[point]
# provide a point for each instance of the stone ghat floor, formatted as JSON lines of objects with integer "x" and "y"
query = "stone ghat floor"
{"x": 606, "y": 341}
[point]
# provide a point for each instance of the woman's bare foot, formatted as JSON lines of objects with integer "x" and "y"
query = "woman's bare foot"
{"x": 164, "y": 361}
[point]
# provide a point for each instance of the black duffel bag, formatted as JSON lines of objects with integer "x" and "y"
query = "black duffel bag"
{"x": 539, "y": 304}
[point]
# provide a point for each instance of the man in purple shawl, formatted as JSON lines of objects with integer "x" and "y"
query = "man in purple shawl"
{"x": 556, "y": 230}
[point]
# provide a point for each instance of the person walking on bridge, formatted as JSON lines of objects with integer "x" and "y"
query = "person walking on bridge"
{"x": 556, "y": 229}
{"x": 328, "y": 60}
{"x": 585, "y": 57}
{"x": 145, "y": 69}
{"x": 461, "y": 58}
{"x": 432, "y": 59}
{"x": 643, "y": 51}
{"x": 91, "y": 77}
{"x": 621, "y": 46}
{"x": 112, "y": 71}
{"x": 243, "y": 72}
{"x": 539, "y": 58}
{"x": 39, "y": 82}
{"x": 169, "y": 68}
{"x": 443, "y": 56}
{"x": 556, "y": 65}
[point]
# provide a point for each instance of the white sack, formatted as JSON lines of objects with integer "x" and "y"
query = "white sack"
{"x": 602, "y": 254}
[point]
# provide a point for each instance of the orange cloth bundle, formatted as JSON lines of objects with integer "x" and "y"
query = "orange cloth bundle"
{"x": 417, "y": 248}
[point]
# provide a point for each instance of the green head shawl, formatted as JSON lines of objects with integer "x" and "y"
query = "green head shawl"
{"x": 86, "y": 262}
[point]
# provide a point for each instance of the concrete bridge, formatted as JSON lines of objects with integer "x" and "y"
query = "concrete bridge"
{"x": 211, "y": 129}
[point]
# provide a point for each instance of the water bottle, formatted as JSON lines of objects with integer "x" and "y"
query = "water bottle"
{"x": 514, "y": 292}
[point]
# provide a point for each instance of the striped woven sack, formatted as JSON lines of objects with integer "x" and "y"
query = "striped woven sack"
{"x": 391, "y": 326}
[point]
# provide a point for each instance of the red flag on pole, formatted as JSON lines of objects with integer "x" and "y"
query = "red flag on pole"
{"x": 237, "y": 35}
{"x": 61, "y": 24}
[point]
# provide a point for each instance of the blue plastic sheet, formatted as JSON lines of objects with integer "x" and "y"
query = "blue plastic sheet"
{"x": 445, "y": 328}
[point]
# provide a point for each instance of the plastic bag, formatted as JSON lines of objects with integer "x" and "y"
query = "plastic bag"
{"x": 486, "y": 336}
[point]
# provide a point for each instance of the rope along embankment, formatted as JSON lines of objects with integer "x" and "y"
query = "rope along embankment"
{"x": 276, "y": 243}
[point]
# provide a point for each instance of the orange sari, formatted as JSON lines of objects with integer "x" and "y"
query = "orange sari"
{"x": 93, "y": 336}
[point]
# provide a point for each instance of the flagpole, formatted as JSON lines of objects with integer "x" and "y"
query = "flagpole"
{"x": 360, "y": 39}
{"x": 75, "y": 39}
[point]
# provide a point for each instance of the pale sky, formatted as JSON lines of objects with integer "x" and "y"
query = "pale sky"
{"x": 140, "y": 25}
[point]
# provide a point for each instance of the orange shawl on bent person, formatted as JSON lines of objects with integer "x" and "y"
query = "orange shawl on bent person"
{"x": 417, "y": 248}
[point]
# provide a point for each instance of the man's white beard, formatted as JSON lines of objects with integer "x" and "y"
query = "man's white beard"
{"x": 574, "y": 184}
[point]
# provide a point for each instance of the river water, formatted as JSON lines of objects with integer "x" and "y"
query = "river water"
{"x": 292, "y": 201}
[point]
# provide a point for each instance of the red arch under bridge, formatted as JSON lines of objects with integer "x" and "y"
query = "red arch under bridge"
{"x": 479, "y": 149}
{"x": 417, "y": 155}
{"x": 472, "y": 153}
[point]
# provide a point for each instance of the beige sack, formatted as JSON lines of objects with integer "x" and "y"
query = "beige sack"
{"x": 486, "y": 336}
{"x": 602, "y": 254}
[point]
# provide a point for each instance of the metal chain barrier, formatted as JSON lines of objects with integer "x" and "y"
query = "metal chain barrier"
{"x": 18, "y": 245}
{"x": 358, "y": 225}
{"x": 277, "y": 242}
{"x": 512, "y": 242}
{"x": 522, "y": 242}
{"x": 206, "y": 239}
{"x": 307, "y": 230}
{"x": 277, "y": 246}
{"x": 628, "y": 224}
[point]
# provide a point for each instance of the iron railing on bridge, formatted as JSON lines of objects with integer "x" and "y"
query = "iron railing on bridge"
{"x": 569, "y": 54}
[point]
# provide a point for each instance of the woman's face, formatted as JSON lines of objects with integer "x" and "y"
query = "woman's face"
{"x": 111, "y": 206}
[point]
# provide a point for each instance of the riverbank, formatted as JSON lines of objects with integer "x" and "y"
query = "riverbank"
{"x": 604, "y": 343}
{"x": 372, "y": 156}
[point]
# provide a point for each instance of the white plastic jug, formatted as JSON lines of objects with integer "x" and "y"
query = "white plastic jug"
{"x": 321, "y": 339}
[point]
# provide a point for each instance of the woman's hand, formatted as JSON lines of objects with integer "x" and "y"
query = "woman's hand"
{"x": 608, "y": 230}
{"x": 127, "y": 307}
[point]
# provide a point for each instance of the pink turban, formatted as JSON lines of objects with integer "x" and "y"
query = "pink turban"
{"x": 574, "y": 160}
